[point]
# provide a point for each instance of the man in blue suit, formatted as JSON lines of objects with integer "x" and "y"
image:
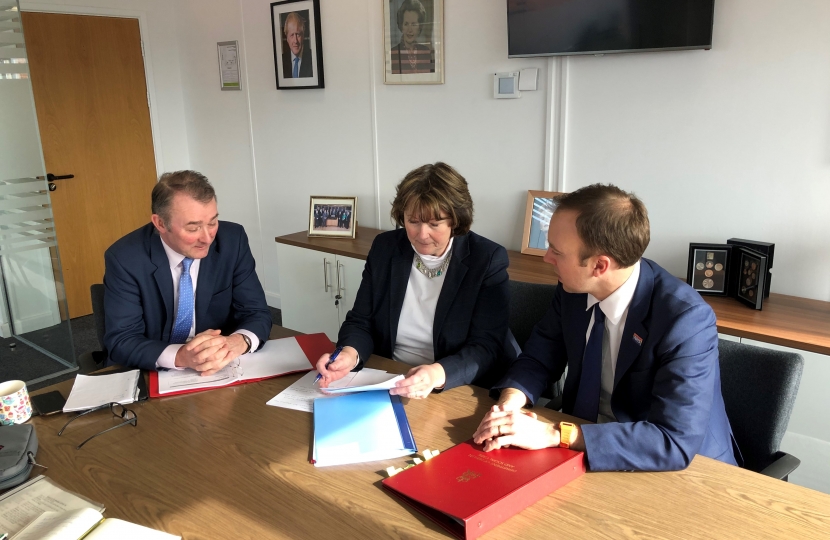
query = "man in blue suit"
{"x": 640, "y": 345}
{"x": 182, "y": 291}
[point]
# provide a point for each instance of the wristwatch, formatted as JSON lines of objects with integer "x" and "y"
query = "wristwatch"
{"x": 247, "y": 341}
{"x": 568, "y": 433}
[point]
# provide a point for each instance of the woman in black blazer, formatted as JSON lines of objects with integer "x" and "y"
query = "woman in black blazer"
{"x": 433, "y": 294}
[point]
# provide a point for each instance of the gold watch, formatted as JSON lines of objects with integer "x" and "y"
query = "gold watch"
{"x": 568, "y": 433}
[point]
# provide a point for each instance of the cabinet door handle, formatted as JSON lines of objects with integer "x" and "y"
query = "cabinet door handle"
{"x": 326, "y": 285}
{"x": 338, "y": 296}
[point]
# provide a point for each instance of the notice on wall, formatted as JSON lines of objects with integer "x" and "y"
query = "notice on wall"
{"x": 229, "y": 65}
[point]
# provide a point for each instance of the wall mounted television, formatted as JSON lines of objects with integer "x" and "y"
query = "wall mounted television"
{"x": 570, "y": 27}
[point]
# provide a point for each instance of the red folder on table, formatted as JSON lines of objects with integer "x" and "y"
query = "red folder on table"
{"x": 312, "y": 345}
{"x": 468, "y": 491}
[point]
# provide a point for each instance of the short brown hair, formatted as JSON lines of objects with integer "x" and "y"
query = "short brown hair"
{"x": 190, "y": 182}
{"x": 431, "y": 190}
{"x": 609, "y": 222}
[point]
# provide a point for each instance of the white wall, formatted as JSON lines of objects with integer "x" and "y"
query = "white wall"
{"x": 731, "y": 142}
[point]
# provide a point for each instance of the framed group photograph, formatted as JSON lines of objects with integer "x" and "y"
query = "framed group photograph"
{"x": 709, "y": 268}
{"x": 413, "y": 37}
{"x": 298, "y": 44}
{"x": 332, "y": 216}
{"x": 540, "y": 206}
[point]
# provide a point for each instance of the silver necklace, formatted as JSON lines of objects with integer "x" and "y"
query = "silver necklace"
{"x": 432, "y": 272}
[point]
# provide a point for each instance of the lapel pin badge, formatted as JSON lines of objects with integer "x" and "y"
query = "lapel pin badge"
{"x": 638, "y": 339}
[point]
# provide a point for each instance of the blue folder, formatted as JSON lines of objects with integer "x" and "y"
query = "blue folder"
{"x": 360, "y": 427}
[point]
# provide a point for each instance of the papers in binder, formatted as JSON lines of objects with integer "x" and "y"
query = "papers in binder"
{"x": 27, "y": 502}
{"x": 360, "y": 427}
{"x": 93, "y": 391}
{"x": 300, "y": 396}
{"x": 276, "y": 357}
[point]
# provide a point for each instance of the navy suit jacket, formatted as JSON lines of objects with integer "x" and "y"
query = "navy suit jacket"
{"x": 470, "y": 332}
{"x": 667, "y": 394}
{"x": 138, "y": 294}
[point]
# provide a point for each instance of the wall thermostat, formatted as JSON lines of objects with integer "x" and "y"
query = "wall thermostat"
{"x": 506, "y": 85}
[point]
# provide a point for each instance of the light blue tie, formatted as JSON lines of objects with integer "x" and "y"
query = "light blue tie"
{"x": 184, "y": 316}
{"x": 296, "y": 73}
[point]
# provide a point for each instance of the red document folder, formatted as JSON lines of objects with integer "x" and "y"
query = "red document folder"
{"x": 313, "y": 345}
{"x": 468, "y": 491}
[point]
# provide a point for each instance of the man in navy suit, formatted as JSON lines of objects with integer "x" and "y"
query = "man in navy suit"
{"x": 182, "y": 291}
{"x": 640, "y": 345}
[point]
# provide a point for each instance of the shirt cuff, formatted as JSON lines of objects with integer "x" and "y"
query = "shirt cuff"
{"x": 167, "y": 358}
{"x": 251, "y": 336}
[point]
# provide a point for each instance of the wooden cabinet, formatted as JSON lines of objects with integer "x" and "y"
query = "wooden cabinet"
{"x": 317, "y": 289}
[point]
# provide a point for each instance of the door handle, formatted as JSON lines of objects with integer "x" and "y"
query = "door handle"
{"x": 326, "y": 275}
{"x": 338, "y": 297}
{"x": 51, "y": 177}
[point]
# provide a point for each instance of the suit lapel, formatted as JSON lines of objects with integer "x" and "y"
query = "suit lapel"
{"x": 635, "y": 333}
{"x": 452, "y": 284}
{"x": 400, "y": 268}
{"x": 164, "y": 280}
{"x": 205, "y": 284}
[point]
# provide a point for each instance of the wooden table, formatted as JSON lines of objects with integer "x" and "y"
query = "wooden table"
{"x": 222, "y": 464}
{"x": 800, "y": 323}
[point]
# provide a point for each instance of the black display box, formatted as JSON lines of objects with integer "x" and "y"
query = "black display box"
{"x": 709, "y": 269}
{"x": 764, "y": 248}
{"x": 748, "y": 276}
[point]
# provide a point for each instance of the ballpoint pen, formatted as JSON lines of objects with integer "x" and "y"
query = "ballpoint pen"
{"x": 332, "y": 358}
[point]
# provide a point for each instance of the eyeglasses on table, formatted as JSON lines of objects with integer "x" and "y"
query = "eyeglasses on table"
{"x": 128, "y": 415}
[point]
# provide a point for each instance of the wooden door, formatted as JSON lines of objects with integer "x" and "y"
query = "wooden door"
{"x": 91, "y": 99}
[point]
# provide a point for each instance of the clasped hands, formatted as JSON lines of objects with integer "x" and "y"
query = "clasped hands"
{"x": 417, "y": 384}
{"x": 209, "y": 351}
{"x": 507, "y": 424}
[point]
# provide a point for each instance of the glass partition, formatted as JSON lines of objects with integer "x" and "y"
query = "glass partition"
{"x": 35, "y": 338}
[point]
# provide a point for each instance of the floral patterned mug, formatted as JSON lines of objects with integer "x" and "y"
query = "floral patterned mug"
{"x": 15, "y": 407}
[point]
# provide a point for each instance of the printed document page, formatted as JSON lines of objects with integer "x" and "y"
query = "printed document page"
{"x": 365, "y": 379}
{"x": 60, "y": 525}
{"x": 93, "y": 391}
{"x": 300, "y": 396}
{"x": 116, "y": 529}
{"x": 276, "y": 357}
{"x": 25, "y": 503}
{"x": 176, "y": 380}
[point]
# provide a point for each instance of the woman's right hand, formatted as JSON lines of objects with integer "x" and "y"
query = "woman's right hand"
{"x": 343, "y": 364}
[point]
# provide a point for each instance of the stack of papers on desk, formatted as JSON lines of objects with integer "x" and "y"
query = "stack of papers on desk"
{"x": 277, "y": 357}
{"x": 360, "y": 427}
{"x": 300, "y": 396}
{"x": 89, "y": 392}
{"x": 86, "y": 524}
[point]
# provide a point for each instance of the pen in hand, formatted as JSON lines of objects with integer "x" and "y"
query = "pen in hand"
{"x": 332, "y": 358}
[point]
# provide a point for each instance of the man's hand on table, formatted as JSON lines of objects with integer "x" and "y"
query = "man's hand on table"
{"x": 209, "y": 351}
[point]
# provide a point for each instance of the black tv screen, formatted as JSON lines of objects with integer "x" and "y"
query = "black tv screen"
{"x": 565, "y": 27}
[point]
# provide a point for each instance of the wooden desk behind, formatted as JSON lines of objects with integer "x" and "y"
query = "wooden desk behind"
{"x": 222, "y": 464}
{"x": 791, "y": 321}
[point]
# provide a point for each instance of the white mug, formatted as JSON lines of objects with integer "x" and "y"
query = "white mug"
{"x": 15, "y": 407}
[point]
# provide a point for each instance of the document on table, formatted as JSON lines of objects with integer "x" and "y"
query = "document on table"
{"x": 276, "y": 357}
{"x": 300, "y": 396}
{"x": 25, "y": 503}
{"x": 93, "y": 391}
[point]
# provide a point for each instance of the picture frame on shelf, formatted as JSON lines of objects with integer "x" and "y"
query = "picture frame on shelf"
{"x": 539, "y": 209}
{"x": 708, "y": 268}
{"x": 332, "y": 216}
{"x": 298, "y": 44}
{"x": 749, "y": 276}
{"x": 767, "y": 249}
{"x": 413, "y": 41}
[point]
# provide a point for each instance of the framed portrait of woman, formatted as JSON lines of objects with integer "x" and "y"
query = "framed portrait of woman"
{"x": 413, "y": 41}
{"x": 298, "y": 44}
{"x": 540, "y": 207}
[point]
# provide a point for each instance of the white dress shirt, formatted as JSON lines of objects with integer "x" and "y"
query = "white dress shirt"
{"x": 615, "y": 308}
{"x": 413, "y": 344}
{"x": 167, "y": 358}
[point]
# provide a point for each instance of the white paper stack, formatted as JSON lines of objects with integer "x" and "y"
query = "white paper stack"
{"x": 89, "y": 392}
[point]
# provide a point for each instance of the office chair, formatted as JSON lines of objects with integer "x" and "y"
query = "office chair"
{"x": 759, "y": 388}
{"x": 91, "y": 361}
{"x": 528, "y": 304}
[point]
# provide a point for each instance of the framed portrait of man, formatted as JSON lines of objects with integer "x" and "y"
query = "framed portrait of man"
{"x": 298, "y": 44}
{"x": 413, "y": 41}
